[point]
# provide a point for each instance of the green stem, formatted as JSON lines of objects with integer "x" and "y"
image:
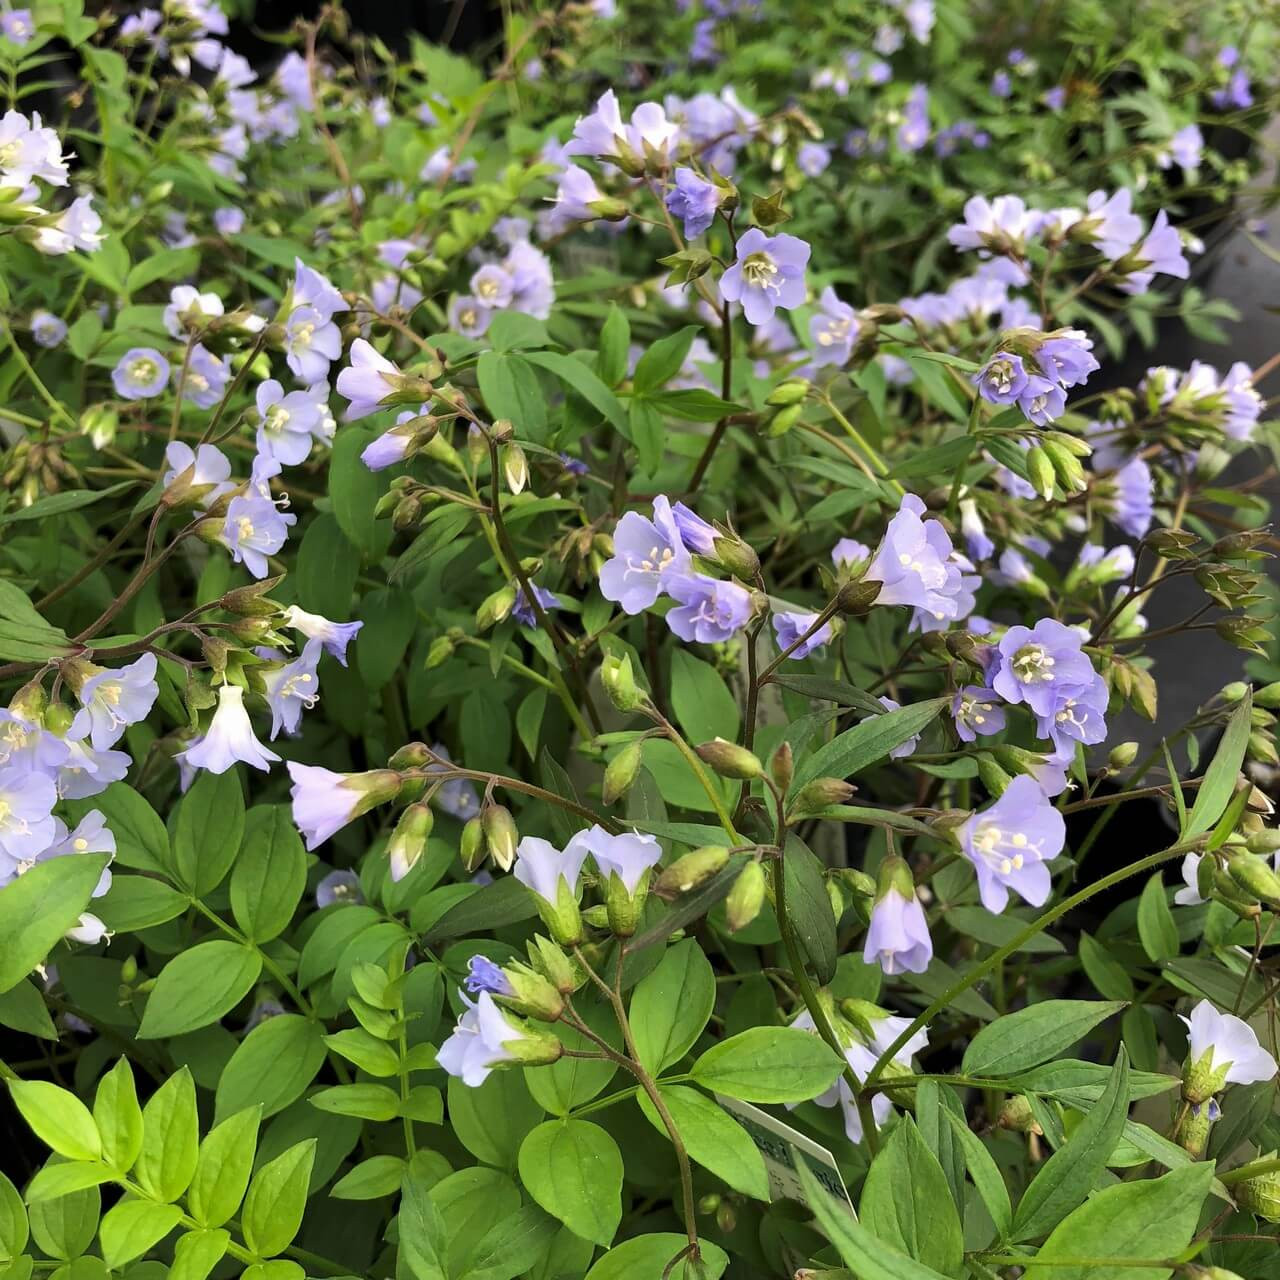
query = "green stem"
{"x": 704, "y": 778}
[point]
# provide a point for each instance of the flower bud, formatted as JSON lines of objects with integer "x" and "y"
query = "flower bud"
{"x": 818, "y": 796}
{"x": 620, "y": 683}
{"x": 515, "y": 467}
{"x": 249, "y": 601}
{"x": 1260, "y": 1196}
{"x": 1255, "y": 876}
{"x": 517, "y": 987}
{"x": 1123, "y": 755}
{"x": 1263, "y": 748}
{"x": 1016, "y": 1115}
{"x": 610, "y": 208}
{"x": 737, "y": 556}
{"x": 500, "y": 834}
{"x": 559, "y": 969}
{"x": 791, "y": 391}
{"x": 746, "y": 897}
{"x": 471, "y": 844}
{"x": 1192, "y": 1133}
{"x": 441, "y": 650}
{"x": 730, "y": 760}
{"x": 1040, "y": 471}
{"x": 1234, "y": 691}
{"x": 856, "y": 598}
{"x": 100, "y": 422}
{"x": 1268, "y": 696}
{"x": 621, "y": 772}
{"x": 409, "y": 839}
{"x": 1266, "y": 841}
{"x": 782, "y": 421}
{"x": 1066, "y": 466}
{"x": 691, "y": 870}
{"x": 782, "y": 766}
{"x": 496, "y": 607}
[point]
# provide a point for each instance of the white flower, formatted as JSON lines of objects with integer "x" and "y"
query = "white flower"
{"x": 230, "y": 737}
{"x": 1230, "y": 1044}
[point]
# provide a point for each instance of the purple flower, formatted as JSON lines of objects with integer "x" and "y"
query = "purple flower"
{"x": 229, "y": 738}
{"x": 468, "y": 316}
{"x": 914, "y": 565}
{"x": 367, "y": 381}
{"x": 903, "y": 749}
{"x": 898, "y": 935}
{"x": 813, "y": 158}
{"x": 288, "y": 423}
{"x": 337, "y": 887}
{"x": 1041, "y": 400}
{"x": 1160, "y": 253}
{"x": 1010, "y": 842}
{"x": 140, "y": 373}
{"x": 390, "y": 448}
{"x": 323, "y": 801}
{"x": 848, "y": 553}
{"x": 27, "y": 825}
{"x": 977, "y": 710}
{"x": 645, "y": 554}
{"x": 484, "y": 975}
{"x": 1110, "y": 222}
{"x": 206, "y": 378}
{"x": 596, "y": 134}
{"x": 1236, "y": 93}
{"x": 975, "y": 533}
{"x": 457, "y": 797}
{"x": 1184, "y": 149}
{"x": 576, "y": 192}
{"x": 694, "y": 201}
{"x": 47, "y": 330}
{"x": 1065, "y": 357}
{"x": 78, "y": 226}
{"x": 1001, "y": 84}
{"x": 292, "y": 688}
{"x": 311, "y": 289}
{"x": 312, "y": 342}
{"x": 1078, "y": 714}
{"x": 113, "y": 698}
{"x": 913, "y": 132}
{"x": 768, "y": 273}
{"x": 208, "y": 465}
{"x": 1003, "y": 379}
{"x": 228, "y": 221}
{"x": 695, "y": 533}
{"x": 1244, "y": 404}
{"x": 28, "y": 745}
{"x": 710, "y": 612}
{"x": 333, "y": 636}
{"x": 548, "y": 871}
{"x": 789, "y": 627}
{"x": 493, "y": 286}
{"x": 1037, "y": 663}
{"x": 628, "y": 855}
{"x": 522, "y": 609}
{"x": 88, "y": 772}
{"x": 17, "y": 26}
{"x": 188, "y": 309}
{"x": 1131, "y": 504}
{"x": 533, "y": 283}
{"x": 833, "y": 328}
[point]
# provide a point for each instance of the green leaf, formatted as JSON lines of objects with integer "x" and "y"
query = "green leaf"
{"x": 422, "y": 1239}
{"x": 133, "y": 1227}
{"x": 270, "y": 873}
{"x": 38, "y": 908}
{"x": 505, "y": 901}
{"x": 511, "y": 390}
{"x": 354, "y": 491}
{"x": 1156, "y": 929}
{"x": 197, "y": 987}
{"x": 712, "y": 1138}
{"x": 1135, "y": 1220}
{"x": 580, "y": 378}
{"x": 695, "y": 404}
{"x": 1033, "y": 1035}
{"x": 571, "y": 1082}
{"x": 1220, "y": 777}
{"x": 367, "y": 1101}
{"x": 209, "y": 830}
{"x": 1071, "y": 1173}
{"x": 64, "y": 1177}
{"x": 390, "y": 618}
{"x": 277, "y": 1198}
{"x": 138, "y": 902}
{"x": 941, "y": 460}
{"x": 58, "y": 504}
{"x": 671, "y": 1005}
{"x": 170, "y": 1139}
{"x": 64, "y": 1227}
{"x": 907, "y": 1203}
{"x": 13, "y": 1221}
{"x": 704, "y": 707}
{"x": 985, "y": 1173}
{"x": 1106, "y": 973}
{"x": 809, "y": 908}
{"x": 615, "y": 343}
{"x": 272, "y": 1066}
{"x": 23, "y": 1009}
{"x": 663, "y": 360}
{"x": 371, "y": 1179}
{"x": 769, "y": 1064}
{"x": 511, "y": 330}
{"x": 196, "y": 1253}
{"x": 58, "y": 1118}
{"x": 847, "y": 754}
{"x": 510, "y": 1247}
{"x": 869, "y": 1257}
{"x": 223, "y": 1167}
{"x": 164, "y": 264}
{"x": 491, "y": 1121}
{"x": 649, "y": 1257}
{"x": 141, "y": 839}
{"x": 118, "y": 1116}
{"x": 573, "y": 1169}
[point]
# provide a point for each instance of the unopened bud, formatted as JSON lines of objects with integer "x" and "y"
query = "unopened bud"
{"x": 856, "y": 598}
{"x": 1255, "y": 875}
{"x": 496, "y": 608}
{"x": 1260, "y": 1196}
{"x": 441, "y": 650}
{"x": 1234, "y": 691}
{"x": 1266, "y": 841}
{"x": 559, "y": 969}
{"x": 730, "y": 760}
{"x": 500, "y": 834}
{"x": 1040, "y": 471}
{"x": 409, "y": 840}
{"x": 621, "y": 772}
{"x": 620, "y": 683}
{"x": 746, "y": 897}
{"x": 818, "y": 796}
{"x": 1123, "y": 755}
{"x": 782, "y": 766}
{"x": 691, "y": 870}
{"x": 782, "y": 421}
{"x": 737, "y": 557}
{"x": 1016, "y": 1115}
{"x": 515, "y": 467}
{"x": 609, "y": 208}
{"x": 792, "y": 391}
{"x": 471, "y": 845}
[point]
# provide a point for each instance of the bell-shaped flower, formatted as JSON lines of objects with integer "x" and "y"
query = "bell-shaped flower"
{"x": 113, "y": 698}
{"x": 229, "y": 738}
{"x": 645, "y": 553}
{"x": 324, "y": 801}
{"x": 898, "y": 935}
{"x": 486, "y": 1038}
{"x": 1222, "y": 1050}
{"x": 553, "y": 875}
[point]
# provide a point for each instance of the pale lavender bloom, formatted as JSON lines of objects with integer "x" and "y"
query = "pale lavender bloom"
{"x": 789, "y": 627}
{"x": 861, "y": 1060}
{"x": 695, "y": 533}
{"x": 254, "y": 529}
{"x": 312, "y": 341}
{"x": 337, "y": 887}
{"x": 292, "y": 688}
{"x": 229, "y": 738}
{"x": 1009, "y": 843}
{"x": 1066, "y": 357}
{"x": 543, "y": 868}
{"x": 522, "y": 610}
{"x": 1185, "y": 149}
{"x": 468, "y": 317}
{"x": 322, "y": 803}
{"x": 317, "y": 291}
{"x": 627, "y": 856}
{"x": 47, "y": 330}
{"x": 457, "y": 797}
{"x": 1105, "y": 565}
{"x": 1236, "y": 94}
{"x": 1227, "y": 1042}
{"x": 1159, "y": 253}
{"x": 694, "y": 201}
{"x": 479, "y": 1042}
{"x": 1056, "y": 98}
{"x": 903, "y": 749}
{"x": 1041, "y": 400}
{"x": 112, "y": 699}
{"x": 288, "y": 422}
{"x": 1001, "y": 84}
{"x": 532, "y": 278}
{"x": 92, "y": 835}
{"x": 914, "y": 563}
{"x": 1110, "y": 222}
{"x": 834, "y": 329}
{"x": 1131, "y": 505}
{"x": 913, "y": 132}
{"x": 367, "y": 380}
{"x": 27, "y": 825}
{"x": 1189, "y": 896}
{"x": 596, "y": 134}
{"x": 88, "y": 772}
{"x": 645, "y": 553}
{"x": 294, "y": 79}
{"x": 848, "y": 553}
{"x": 1037, "y": 662}
{"x": 208, "y": 465}
{"x": 898, "y": 935}
{"x": 333, "y": 636}
{"x": 206, "y": 379}
{"x": 484, "y": 975}
{"x": 813, "y": 158}
{"x": 977, "y": 710}
{"x": 650, "y": 133}
{"x": 1078, "y": 714}
{"x": 30, "y": 150}
{"x": 17, "y": 26}
{"x": 768, "y": 273}
{"x": 975, "y": 534}
{"x": 28, "y": 745}
{"x": 1003, "y": 379}
{"x": 575, "y": 194}
{"x": 228, "y": 221}
{"x": 920, "y": 18}
{"x": 140, "y": 373}
{"x": 493, "y": 286}
{"x": 1244, "y": 404}
{"x": 388, "y": 449}
{"x": 710, "y": 612}
{"x": 77, "y": 227}
{"x": 189, "y": 308}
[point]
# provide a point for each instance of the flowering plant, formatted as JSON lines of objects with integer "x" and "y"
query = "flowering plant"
{"x": 559, "y": 721}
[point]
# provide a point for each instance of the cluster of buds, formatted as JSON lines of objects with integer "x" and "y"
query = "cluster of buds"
{"x": 787, "y": 402}
{"x": 1054, "y": 461}
{"x": 36, "y": 467}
